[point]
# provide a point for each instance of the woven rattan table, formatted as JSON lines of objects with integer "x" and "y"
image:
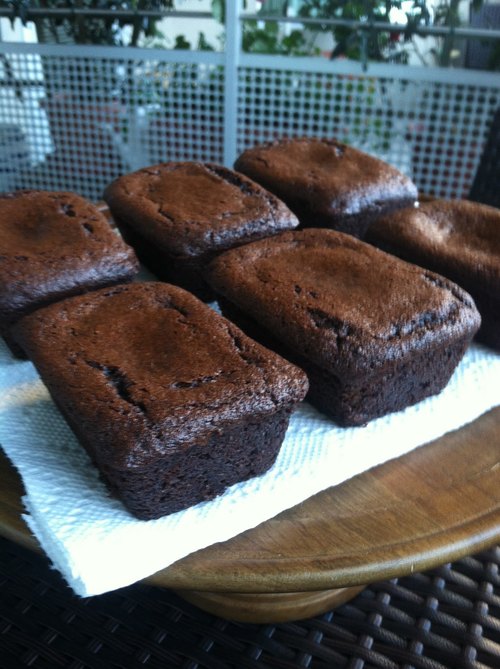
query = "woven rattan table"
{"x": 447, "y": 617}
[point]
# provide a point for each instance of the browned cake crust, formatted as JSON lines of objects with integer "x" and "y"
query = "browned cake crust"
{"x": 179, "y": 215}
{"x": 457, "y": 238}
{"x": 172, "y": 402}
{"x": 327, "y": 183}
{"x": 373, "y": 333}
{"x": 53, "y": 245}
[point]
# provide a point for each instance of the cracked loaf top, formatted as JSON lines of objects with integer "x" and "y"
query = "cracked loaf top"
{"x": 191, "y": 208}
{"x": 53, "y": 244}
{"x": 325, "y": 176}
{"x": 142, "y": 369}
{"x": 341, "y": 303}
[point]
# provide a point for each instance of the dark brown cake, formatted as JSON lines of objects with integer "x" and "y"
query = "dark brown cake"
{"x": 53, "y": 245}
{"x": 327, "y": 183}
{"x": 172, "y": 402}
{"x": 178, "y": 216}
{"x": 458, "y": 239}
{"x": 374, "y": 334}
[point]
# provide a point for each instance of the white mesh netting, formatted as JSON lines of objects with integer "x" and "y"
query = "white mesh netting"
{"x": 77, "y": 121}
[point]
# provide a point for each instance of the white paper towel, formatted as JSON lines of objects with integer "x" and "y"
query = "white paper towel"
{"x": 98, "y": 546}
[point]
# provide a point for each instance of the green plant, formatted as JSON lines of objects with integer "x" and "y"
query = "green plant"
{"x": 363, "y": 43}
{"x": 360, "y": 42}
{"x": 267, "y": 38}
{"x": 90, "y": 30}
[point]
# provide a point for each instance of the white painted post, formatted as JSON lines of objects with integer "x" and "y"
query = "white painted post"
{"x": 232, "y": 58}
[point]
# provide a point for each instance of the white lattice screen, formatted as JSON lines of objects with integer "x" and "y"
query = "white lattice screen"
{"x": 76, "y": 117}
{"x": 84, "y": 119}
{"x": 433, "y": 130}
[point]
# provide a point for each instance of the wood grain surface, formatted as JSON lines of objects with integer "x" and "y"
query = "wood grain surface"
{"x": 436, "y": 504}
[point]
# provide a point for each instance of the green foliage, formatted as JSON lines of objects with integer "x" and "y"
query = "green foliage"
{"x": 267, "y": 39}
{"x": 90, "y": 30}
{"x": 182, "y": 43}
{"x": 362, "y": 43}
{"x": 203, "y": 44}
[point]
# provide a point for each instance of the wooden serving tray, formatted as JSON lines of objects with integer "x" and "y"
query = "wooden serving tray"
{"x": 436, "y": 504}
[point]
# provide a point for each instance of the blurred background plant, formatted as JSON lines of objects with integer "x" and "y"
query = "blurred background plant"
{"x": 360, "y": 42}
{"x": 400, "y": 43}
{"x": 78, "y": 28}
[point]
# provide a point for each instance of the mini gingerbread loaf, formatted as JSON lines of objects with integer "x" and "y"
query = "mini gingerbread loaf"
{"x": 172, "y": 402}
{"x": 54, "y": 245}
{"x": 374, "y": 334}
{"x": 458, "y": 239}
{"x": 179, "y": 215}
{"x": 326, "y": 183}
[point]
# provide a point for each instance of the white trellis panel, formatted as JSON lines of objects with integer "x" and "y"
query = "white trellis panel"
{"x": 76, "y": 117}
{"x": 429, "y": 123}
{"x": 91, "y": 114}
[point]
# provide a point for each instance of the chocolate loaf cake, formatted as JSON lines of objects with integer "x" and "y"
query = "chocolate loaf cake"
{"x": 327, "y": 183}
{"x": 172, "y": 402}
{"x": 456, "y": 238}
{"x": 178, "y": 216}
{"x": 54, "y": 245}
{"x": 374, "y": 334}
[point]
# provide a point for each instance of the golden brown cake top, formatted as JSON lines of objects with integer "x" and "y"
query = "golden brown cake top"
{"x": 55, "y": 243}
{"x": 341, "y": 302}
{"x": 193, "y": 208}
{"x": 330, "y": 176}
{"x": 155, "y": 366}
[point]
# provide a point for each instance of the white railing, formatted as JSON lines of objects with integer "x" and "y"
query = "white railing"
{"x": 74, "y": 117}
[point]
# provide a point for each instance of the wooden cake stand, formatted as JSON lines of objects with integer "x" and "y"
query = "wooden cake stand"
{"x": 434, "y": 505}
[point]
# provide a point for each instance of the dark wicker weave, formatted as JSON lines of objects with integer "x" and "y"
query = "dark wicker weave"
{"x": 485, "y": 186}
{"x": 448, "y": 617}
